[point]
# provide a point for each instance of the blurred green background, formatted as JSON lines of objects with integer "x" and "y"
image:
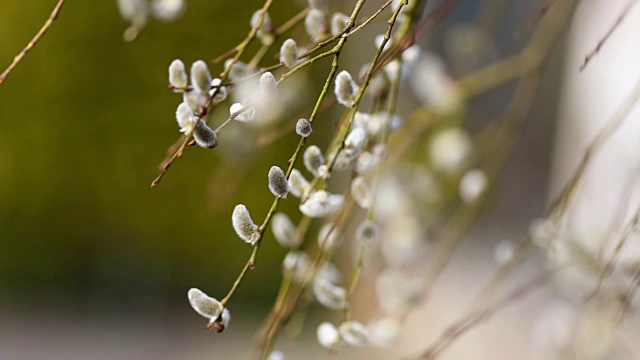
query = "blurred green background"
{"x": 86, "y": 119}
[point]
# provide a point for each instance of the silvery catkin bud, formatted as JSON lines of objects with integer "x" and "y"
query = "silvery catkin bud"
{"x": 167, "y": 10}
{"x": 284, "y": 231}
{"x": 238, "y": 69}
{"x": 243, "y": 225}
{"x": 185, "y": 118}
{"x": 177, "y": 75}
{"x": 328, "y": 335}
{"x": 242, "y": 113}
{"x": 355, "y": 141}
{"x": 278, "y": 183}
{"x": 345, "y": 89}
{"x": 313, "y": 159}
{"x": 265, "y": 32}
{"x": 367, "y": 232}
{"x": 298, "y": 185}
{"x": 332, "y": 296}
{"x": 204, "y": 305}
{"x": 315, "y": 25}
{"x": 196, "y": 100}
{"x": 268, "y": 86}
{"x": 289, "y": 53}
{"x": 204, "y": 136}
{"x": 361, "y": 192}
{"x": 219, "y": 91}
{"x": 303, "y": 127}
{"x": 338, "y": 23}
{"x": 321, "y": 203}
{"x": 322, "y": 5}
{"x": 200, "y": 76}
{"x": 354, "y": 333}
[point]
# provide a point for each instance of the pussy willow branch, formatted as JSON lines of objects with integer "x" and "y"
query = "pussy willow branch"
{"x": 16, "y": 60}
{"x": 273, "y": 327}
{"x": 238, "y": 51}
{"x": 390, "y": 109}
{"x": 365, "y": 82}
{"x": 457, "y": 329}
{"x": 629, "y": 229}
{"x": 166, "y": 164}
{"x": 295, "y": 20}
{"x": 561, "y": 203}
{"x": 606, "y": 36}
{"x": 292, "y": 161}
{"x": 270, "y": 330}
{"x": 453, "y": 232}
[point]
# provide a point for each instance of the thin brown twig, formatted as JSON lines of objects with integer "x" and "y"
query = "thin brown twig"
{"x": 463, "y": 325}
{"x": 535, "y": 20}
{"x": 607, "y": 35}
{"x": 52, "y": 17}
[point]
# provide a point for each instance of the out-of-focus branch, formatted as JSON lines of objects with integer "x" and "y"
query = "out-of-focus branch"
{"x": 52, "y": 17}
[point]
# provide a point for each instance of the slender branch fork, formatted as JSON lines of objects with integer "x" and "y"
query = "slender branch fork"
{"x": 16, "y": 60}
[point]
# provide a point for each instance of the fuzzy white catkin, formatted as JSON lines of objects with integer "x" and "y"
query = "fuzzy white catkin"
{"x": 329, "y": 295}
{"x": 289, "y": 53}
{"x": 204, "y": 136}
{"x": 343, "y": 160}
{"x": 338, "y": 23}
{"x": 204, "y": 305}
{"x": 323, "y": 172}
{"x": 200, "y": 76}
{"x": 296, "y": 264}
{"x": 238, "y": 69}
{"x": 225, "y": 318}
{"x": 313, "y": 159}
{"x": 266, "y": 20}
{"x": 328, "y": 335}
{"x": 473, "y": 184}
{"x": 265, "y": 32}
{"x": 243, "y": 225}
{"x": 361, "y": 192}
{"x": 278, "y": 184}
{"x": 242, "y": 113}
{"x": 196, "y": 100}
{"x": 354, "y": 333}
{"x": 355, "y": 141}
{"x": 303, "y": 127}
{"x": 503, "y": 252}
{"x": 345, "y": 89}
{"x": 268, "y": 86}
{"x": 384, "y": 332}
{"x": 366, "y": 163}
{"x": 284, "y": 231}
{"x": 328, "y": 236}
{"x": 298, "y": 185}
{"x": 177, "y": 74}
{"x": 315, "y": 25}
{"x": 322, "y": 5}
{"x": 185, "y": 118}
{"x": 321, "y": 204}
{"x": 378, "y": 40}
{"x": 134, "y": 11}
{"x": 167, "y": 10}
{"x": 449, "y": 149}
{"x": 367, "y": 232}
{"x": 276, "y": 355}
{"x": 218, "y": 90}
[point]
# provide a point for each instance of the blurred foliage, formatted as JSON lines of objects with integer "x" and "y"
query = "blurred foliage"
{"x": 86, "y": 120}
